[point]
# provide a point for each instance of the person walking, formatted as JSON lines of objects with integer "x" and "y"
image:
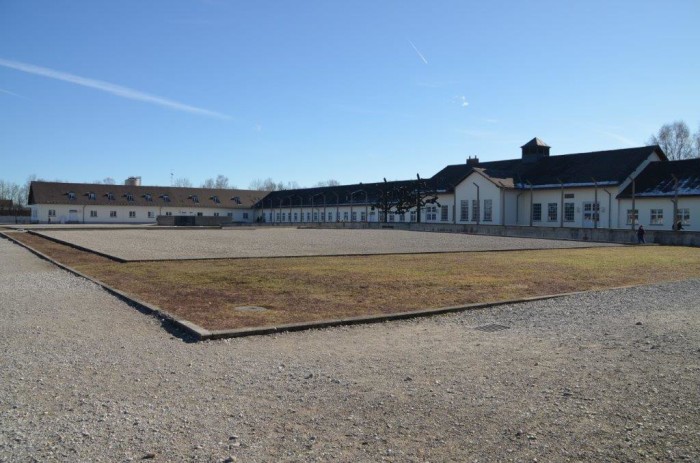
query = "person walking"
{"x": 640, "y": 235}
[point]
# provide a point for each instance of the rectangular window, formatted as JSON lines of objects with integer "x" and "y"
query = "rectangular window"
{"x": 363, "y": 216}
{"x": 444, "y": 213}
{"x": 151, "y": 214}
{"x": 657, "y": 217}
{"x": 166, "y": 198}
{"x": 308, "y": 216}
{"x": 402, "y": 217}
{"x": 132, "y": 214}
{"x": 537, "y": 212}
{"x": 296, "y": 216}
{"x": 168, "y": 213}
{"x": 476, "y": 213}
{"x": 199, "y": 214}
{"x": 216, "y": 214}
{"x": 591, "y": 212}
{"x": 414, "y": 216}
{"x": 569, "y": 210}
{"x": 110, "y": 196}
{"x": 195, "y": 198}
{"x": 683, "y": 216}
{"x": 345, "y": 216}
{"x": 488, "y": 210}
{"x": 52, "y": 212}
{"x": 71, "y": 195}
{"x": 323, "y": 216}
{"x": 284, "y": 217}
{"x": 315, "y": 216}
{"x": 112, "y": 213}
{"x": 92, "y": 196}
{"x": 552, "y": 212}
{"x": 129, "y": 197}
{"x": 245, "y": 215}
{"x": 354, "y": 216}
{"x": 632, "y": 215}
{"x": 392, "y": 217}
{"x": 330, "y": 217}
{"x": 277, "y": 217}
{"x": 431, "y": 213}
{"x": 464, "y": 210}
{"x": 93, "y": 213}
{"x": 148, "y": 197}
{"x": 569, "y": 195}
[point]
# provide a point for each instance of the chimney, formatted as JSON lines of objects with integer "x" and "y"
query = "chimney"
{"x": 133, "y": 181}
{"x": 473, "y": 161}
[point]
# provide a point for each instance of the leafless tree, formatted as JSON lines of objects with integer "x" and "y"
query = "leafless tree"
{"x": 676, "y": 141}
{"x": 330, "y": 182}
{"x": 182, "y": 182}
{"x": 263, "y": 185}
{"x": 221, "y": 181}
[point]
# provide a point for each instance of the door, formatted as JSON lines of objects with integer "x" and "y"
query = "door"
{"x": 591, "y": 214}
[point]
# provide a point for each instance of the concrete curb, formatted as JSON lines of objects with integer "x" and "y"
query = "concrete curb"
{"x": 203, "y": 334}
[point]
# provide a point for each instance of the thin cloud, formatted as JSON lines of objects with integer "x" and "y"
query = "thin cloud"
{"x": 420, "y": 55}
{"x": 11, "y": 93}
{"x": 462, "y": 100}
{"x": 620, "y": 138}
{"x": 114, "y": 89}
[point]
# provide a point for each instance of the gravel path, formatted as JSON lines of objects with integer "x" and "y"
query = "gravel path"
{"x": 609, "y": 376}
{"x": 288, "y": 242}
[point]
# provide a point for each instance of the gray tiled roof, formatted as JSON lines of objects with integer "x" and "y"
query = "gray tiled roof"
{"x": 58, "y": 193}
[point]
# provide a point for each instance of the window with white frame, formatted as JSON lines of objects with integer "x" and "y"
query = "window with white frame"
{"x": 132, "y": 214}
{"x": 402, "y": 217}
{"x": 110, "y": 196}
{"x": 354, "y": 216}
{"x": 431, "y": 213}
{"x": 245, "y": 215}
{"x": 315, "y": 216}
{"x": 632, "y": 216}
{"x": 552, "y": 212}
{"x": 444, "y": 213}
{"x": 112, "y": 213}
{"x": 168, "y": 213}
{"x": 656, "y": 217}
{"x": 569, "y": 211}
{"x": 308, "y": 216}
{"x": 683, "y": 216}
{"x": 93, "y": 213}
{"x": 414, "y": 216}
{"x": 284, "y": 217}
{"x": 346, "y": 216}
{"x": 277, "y": 217}
{"x": 537, "y": 212}
{"x": 392, "y": 217}
{"x": 52, "y": 212}
{"x": 129, "y": 197}
{"x": 71, "y": 195}
{"x": 488, "y": 210}
{"x": 200, "y": 214}
{"x": 363, "y": 216}
{"x": 216, "y": 214}
{"x": 92, "y": 196}
{"x": 296, "y": 217}
{"x": 151, "y": 214}
{"x": 464, "y": 210}
{"x": 330, "y": 217}
{"x": 476, "y": 212}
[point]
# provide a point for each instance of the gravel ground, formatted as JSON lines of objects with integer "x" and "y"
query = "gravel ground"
{"x": 288, "y": 242}
{"x": 608, "y": 376}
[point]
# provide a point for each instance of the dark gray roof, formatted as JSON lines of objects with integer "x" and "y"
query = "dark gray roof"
{"x": 535, "y": 142}
{"x": 606, "y": 167}
{"x": 657, "y": 180}
{"x": 58, "y": 193}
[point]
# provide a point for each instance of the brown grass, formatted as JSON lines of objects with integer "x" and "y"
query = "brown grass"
{"x": 318, "y": 288}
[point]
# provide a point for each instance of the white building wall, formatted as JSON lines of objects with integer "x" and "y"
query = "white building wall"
{"x": 487, "y": 191}
{"x": 63, "y": 213}
{"x": 583, "y": 215}
{"x": 645, "y": 206}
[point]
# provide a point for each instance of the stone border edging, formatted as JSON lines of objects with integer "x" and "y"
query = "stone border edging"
{"x": 203, "y": 334}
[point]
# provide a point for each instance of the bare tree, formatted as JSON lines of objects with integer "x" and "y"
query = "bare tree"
{"x": 330, "y": 182}
{"x": 263, "y": 185}
{"x": 221, "y": 181}
{"x": 676, "y": 141}
{"x": 182, "y": 182}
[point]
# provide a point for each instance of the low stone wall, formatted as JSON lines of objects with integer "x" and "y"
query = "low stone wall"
{"x": 665, "y": 237}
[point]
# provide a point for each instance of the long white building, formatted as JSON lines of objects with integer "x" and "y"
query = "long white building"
{"x": 605, "y": 189}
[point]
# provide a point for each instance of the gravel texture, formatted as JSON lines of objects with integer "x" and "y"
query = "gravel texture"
{"x": 608, "y": 376}
{"x": 288, "y": 242}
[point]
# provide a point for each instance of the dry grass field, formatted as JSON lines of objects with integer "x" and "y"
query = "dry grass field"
{"x": 211, "y": 293}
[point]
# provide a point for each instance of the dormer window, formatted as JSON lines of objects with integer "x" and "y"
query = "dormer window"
{"x": 236, "y": 199}
{"x": 148, "y": 197}
{"x": 215, "y": 199}
{"x": 194, "y": 198}
{"x": 129, "y": 197}
{"x": 110, "y": 196}
{"x": 165, "y": 198}
{"x": 92, "y": 196}
{"x": 71, "y": 195}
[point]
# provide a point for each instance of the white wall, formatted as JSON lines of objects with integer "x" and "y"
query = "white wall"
{"x": 645, "y": 205}
{"x": 467, "y": 190}
{"x": 82, "y": 214}
{"x": 606, "y": 201}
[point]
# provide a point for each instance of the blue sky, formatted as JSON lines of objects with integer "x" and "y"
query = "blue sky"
{"x": 312, "y": 90}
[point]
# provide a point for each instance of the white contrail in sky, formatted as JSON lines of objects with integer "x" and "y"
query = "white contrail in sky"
{"x": 418, "y": 52}
{"x": 10, "y": 93}
{"x": 114, "y": 89}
